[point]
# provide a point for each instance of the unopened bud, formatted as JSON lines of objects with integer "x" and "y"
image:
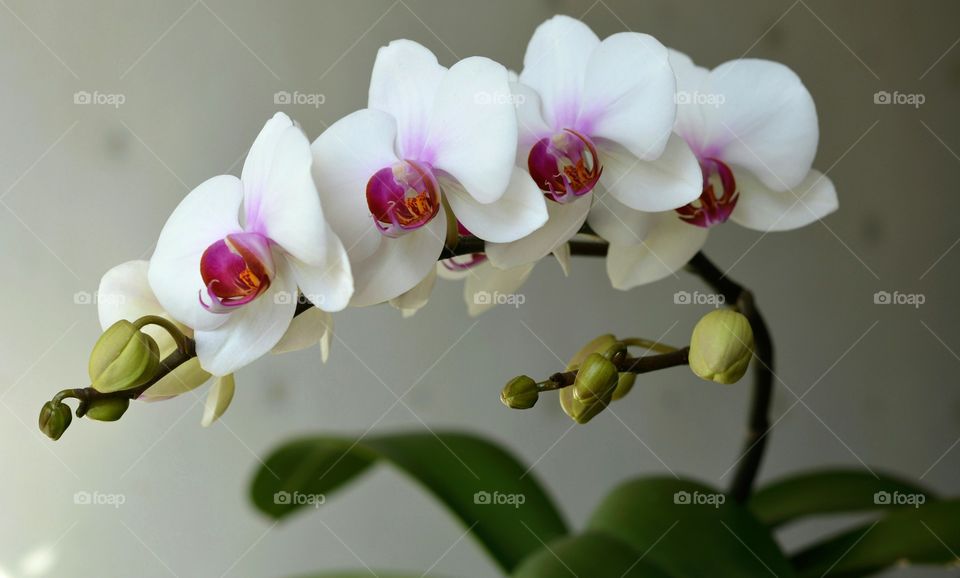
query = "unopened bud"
{"x": 107, "y": 409}
{"x": 123, "y": 358}
{"x": 596, "y": 379}
{"x": 624, "y": 384}
{"x": 520, "y": 393}
{"x": 55, "y": 418}
{"x": 721, "y": 346}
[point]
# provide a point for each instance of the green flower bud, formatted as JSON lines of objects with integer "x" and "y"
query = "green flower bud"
{"x": 596, "y": 379}
{"x": 624, "y": 384}
{"x": 721, "y": 346}
{"x": 123, "y": 358}
{"x": 107, "y": 409}
{"x": 55, "y": 418}
{"x": 520, "y": 393}
{"x": 598, "y": 345}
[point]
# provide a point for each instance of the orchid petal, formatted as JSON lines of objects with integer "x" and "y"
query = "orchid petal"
{"x": 328, "y": 285}
{"x": 530, "y": 123}
{"x": 763, "y": 209}
{"x": 669, "y": 245}
{"x": 564, "y": 222}
{"x": 208, "y": 214}
{"x": 185, "y": 377}
{"x": 668, "y": 182}
{"x": 555, "y": 65}
{"x": 345, "y": 157}
{"x": 218, "y": 399}
{"x": 629, "y": 94}
{"x": 519, "y": 212}
{"x": 473, "y": 128}
{"x": 307, "y": 329}
{"x": 415, "y": 299}
{"x": 616, "y": 222}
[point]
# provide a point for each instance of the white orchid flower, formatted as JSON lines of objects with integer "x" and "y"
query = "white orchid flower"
{"x": 232, "y": 256}
{"x": 595, "y": 129}
{"x": 753, "y": 126}
{"x": 432, "y": 139}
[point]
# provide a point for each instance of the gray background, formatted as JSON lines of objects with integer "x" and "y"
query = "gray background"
{"x": 84, "y": 187}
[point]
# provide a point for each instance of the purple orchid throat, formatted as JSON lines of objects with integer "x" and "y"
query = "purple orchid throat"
{"x": 403, "y": 197}
{"x": 565, "y": 165}
{"x": 713, "y": 207}
{"x": 235, "y": 270}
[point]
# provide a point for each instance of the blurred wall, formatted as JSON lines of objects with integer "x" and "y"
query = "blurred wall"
{"x": 86, "y": 186}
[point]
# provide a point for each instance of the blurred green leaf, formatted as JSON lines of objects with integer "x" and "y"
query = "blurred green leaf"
{"x": 690, "y": 530}
{"x": 828, "y": 492}
{"x": 929, "y": 534}
{"x": 484, "y": 486}
{"x": 362, "y": 574}
{"x": 591, "y": 554}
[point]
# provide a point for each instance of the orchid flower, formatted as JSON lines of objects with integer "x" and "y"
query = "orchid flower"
{"x": 232, "y": 256}
{"x": 753, "y": 127}
{"x": 435, "y": 150}
{"x": 595, "y": 130}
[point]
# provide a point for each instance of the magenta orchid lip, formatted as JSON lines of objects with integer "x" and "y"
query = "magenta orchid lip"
{"x": 712, "y": 208}
{"x": 565, "y": 165}
{"x": 235, "y": 270}
{"x": 403, "y": 197}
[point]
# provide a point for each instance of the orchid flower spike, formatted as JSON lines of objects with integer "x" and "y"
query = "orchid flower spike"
{"x": 595, "y": 130}
{"x": 236, "y": 254}
{"x": 752, "y": 125}
{"x": 434, "y": 150}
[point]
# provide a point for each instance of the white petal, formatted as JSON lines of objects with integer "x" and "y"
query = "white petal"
{"x": 283, "y": 204}
{"x": 186, "y": 377}
{"x": 530, "y": 123}
{"x": 311, "y": 327}
{"x": 473, "y": 128}
{"x": 669, "y": 182}
{"x": 209, "y": 213}
{"x": 487, "y": 286}
{"x": 564, "y": 222}
{"x": 262, "y": 155}
{"x": 767, "y": 122}
{"x": 398, "y": 264}
{"x": 328, "y": 285}
{"x": 252, "y": 330}
{"x": 125, "y": 293}
{"x": 345, "y": 156}
{"x": 670, "y": 244}
{"x": 415, "y": 299}
{"x": 555, "y": 65}
{"x": 629, "y": 95}
{"x": 218, "y": 399}
{"x": 616, "y": 222}
{"x": 405, "y": 80}
{"x": 520, "y": 211}
{"x": 454, "y": 272}
{"x": 763, "y": 209}
{"x": 691, "y": 90}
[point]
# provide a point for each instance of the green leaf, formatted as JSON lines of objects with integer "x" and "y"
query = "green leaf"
{"x": 591, "y": 554}
{"x": 929, "y": 534}
{"x": 828, "y": 492}
{"x": 690, "y": 530}
{"x": 362, "y": 574}
{"x": 484, "y": 486}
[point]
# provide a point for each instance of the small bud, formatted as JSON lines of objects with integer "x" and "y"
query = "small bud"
{"x": 107, "y": 409}
{"x": 123, "y": 358}
{"x": 596, "y": 379}
{"x": 721, "y": 346}
{"x": 624, "y": 384}
{"x": 55, "y": 418}
{"x": 597, "y": 345}
{"x": 520, "y": 393}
